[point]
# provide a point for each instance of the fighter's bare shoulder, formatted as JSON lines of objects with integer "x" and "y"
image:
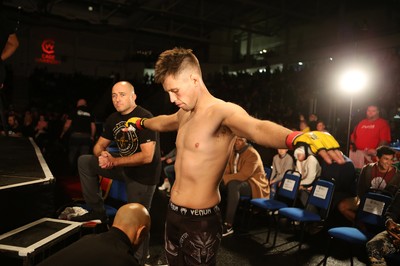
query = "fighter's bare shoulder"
{"x": 227, "y": 109}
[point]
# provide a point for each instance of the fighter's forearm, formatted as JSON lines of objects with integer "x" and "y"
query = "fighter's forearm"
{"x": 162, "y": 123}
{"x": 269, "y": 134}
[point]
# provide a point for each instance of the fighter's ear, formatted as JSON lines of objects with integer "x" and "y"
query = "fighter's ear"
{"x": 194, "y": 77}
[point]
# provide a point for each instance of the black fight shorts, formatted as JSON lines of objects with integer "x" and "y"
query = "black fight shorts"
{"x": 192, "y": 236}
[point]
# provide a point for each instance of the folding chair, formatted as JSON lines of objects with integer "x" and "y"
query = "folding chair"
{"x": 320, "y": 198}
{"x": 268, "y": 171}
{"x": 370, "y": 213}
{"x": 105, "y": 185}
{"x": 285, "y": 196}
{"x": 116, "y": 198}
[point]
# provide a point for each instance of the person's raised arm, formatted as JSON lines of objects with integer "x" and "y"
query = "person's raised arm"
{"x": 10, "y": 47}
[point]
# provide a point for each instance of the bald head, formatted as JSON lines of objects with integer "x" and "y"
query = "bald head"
{"x": 123, "y": 97}
{"x": 132, "y": 214}
{"x": 134, "y": 220}
{"x": 125, "y": 84}
{"x": 81, "y": 102}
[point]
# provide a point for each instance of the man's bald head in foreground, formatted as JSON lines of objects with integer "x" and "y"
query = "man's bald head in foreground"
{"x": 134, "y": 220}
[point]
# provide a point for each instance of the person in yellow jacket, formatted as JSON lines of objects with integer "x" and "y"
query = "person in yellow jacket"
{"x": 244, "y": 176}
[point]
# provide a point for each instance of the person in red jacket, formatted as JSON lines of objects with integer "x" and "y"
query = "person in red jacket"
{"x": 369, "y": 134}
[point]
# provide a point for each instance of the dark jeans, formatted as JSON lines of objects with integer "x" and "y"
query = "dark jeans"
{"x": 79, "y": 144}
{"x": 235, "y": 189}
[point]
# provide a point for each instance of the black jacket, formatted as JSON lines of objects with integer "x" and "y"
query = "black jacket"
{"x": 110, "y": 248}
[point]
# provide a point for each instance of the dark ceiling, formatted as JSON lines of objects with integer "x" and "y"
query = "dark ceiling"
{"x": 193, "y": 23}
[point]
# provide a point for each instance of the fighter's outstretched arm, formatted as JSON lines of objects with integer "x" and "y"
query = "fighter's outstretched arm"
{"x": 160, "y": 123}
{"x": 273, "y": 135}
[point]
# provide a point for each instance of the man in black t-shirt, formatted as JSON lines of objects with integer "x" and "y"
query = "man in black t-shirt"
{"x": 81, "y": 127}
{"x": 138, "y": 163}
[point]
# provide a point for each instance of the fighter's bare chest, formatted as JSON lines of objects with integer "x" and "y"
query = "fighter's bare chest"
{"x": 192, "y": 126}
{"x": 194, "y": 131}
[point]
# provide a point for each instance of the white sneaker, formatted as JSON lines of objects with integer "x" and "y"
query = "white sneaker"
{"x": 165, "y": 186}
{"x": 227, "y": 230}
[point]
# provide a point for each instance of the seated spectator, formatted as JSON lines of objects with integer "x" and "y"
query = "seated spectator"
{"x": 41, "y": 135}
{"x": 321, "y": 126}
{"x": 312, "y": 122}
{"x": 380, "y": 176}
{"x": 169, "y": 170}
{"x": 244, "y": 176}
{"x": 309, "y": 168}
{"x": 303, "y": 126}
{"x": 28, "y": 127}
{"x": 114, "y": 247}
{"x": 13, "y": 128}
{"x": 41, "y": 126}
{"x": 308, "y": 165}
{"x": 281, "y": 162}
{"x": 387, "y": 242}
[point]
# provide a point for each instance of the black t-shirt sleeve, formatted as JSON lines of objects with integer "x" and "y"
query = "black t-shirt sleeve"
{"x": 147, "y": 136}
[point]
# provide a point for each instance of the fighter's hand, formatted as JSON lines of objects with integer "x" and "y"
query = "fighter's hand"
{"x": 321, "y": 143}
{"x": 135, "y": 123}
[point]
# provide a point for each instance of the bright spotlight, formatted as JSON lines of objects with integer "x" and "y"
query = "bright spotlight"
{"x": 353, "y": 80}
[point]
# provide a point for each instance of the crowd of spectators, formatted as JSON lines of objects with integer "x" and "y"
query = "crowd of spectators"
{"x": 280, "y": 95}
